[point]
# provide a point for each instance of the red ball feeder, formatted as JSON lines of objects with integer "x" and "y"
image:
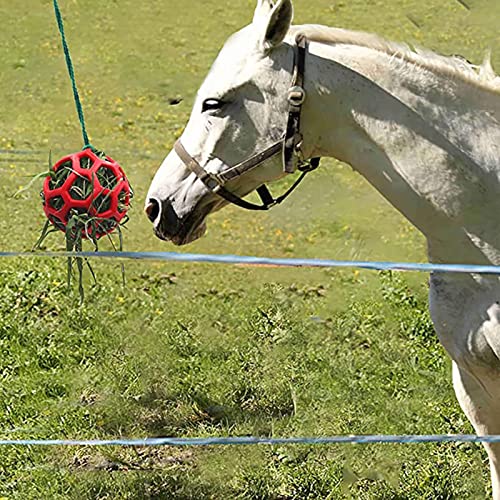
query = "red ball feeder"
{"x": 90, "y": 186}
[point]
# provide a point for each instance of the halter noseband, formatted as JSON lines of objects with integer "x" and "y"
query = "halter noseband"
{"x": 289, "y": 146}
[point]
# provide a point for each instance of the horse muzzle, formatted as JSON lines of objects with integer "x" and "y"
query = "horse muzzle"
{"x": 168, "y": 226}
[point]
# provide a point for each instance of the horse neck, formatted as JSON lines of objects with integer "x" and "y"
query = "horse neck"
{"x": 428, "y": 142}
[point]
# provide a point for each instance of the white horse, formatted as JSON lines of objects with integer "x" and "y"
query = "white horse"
{"x": 422, "y": 128}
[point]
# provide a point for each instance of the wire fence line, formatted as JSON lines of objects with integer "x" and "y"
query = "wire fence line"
{"x": 248, "y": 260}
{"x": 249, "y": 440}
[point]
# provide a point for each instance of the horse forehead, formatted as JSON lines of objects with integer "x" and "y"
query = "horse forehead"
{"x": 234, "y": 59}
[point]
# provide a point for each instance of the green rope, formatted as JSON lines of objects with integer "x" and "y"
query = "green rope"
{"x": 71, "y": 72}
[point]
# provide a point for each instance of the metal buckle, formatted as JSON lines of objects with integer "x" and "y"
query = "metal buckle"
{"x": 212, "y": 182}
{"x": 296, "y": 96}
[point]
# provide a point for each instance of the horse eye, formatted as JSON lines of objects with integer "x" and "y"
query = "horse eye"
{"x": 211, "y": 105}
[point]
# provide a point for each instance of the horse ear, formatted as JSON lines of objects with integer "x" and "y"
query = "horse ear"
{"x": 274, "y": 17}
{"x": 263, "y": 10}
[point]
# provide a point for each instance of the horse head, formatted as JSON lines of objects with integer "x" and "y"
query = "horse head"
{"x": 240, "y": 111}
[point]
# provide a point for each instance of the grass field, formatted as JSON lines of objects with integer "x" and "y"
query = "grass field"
{"x": 200, "y": 350}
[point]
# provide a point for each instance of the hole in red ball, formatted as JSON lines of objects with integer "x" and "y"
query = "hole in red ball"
{"x": 57, "y": 203}
{"x": 86, "y": 162}
{"x": 81, "y": 188}
{"x": 123, "y": 201}
{"x": 57, "y": 222}
{"x": 59, "y": 177}
{"x": 107, "y": 225}
{"x": 102, "y": 203}
{"x": 106, "y": 177}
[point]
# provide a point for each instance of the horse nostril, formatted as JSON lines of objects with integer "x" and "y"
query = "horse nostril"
{"x": 152, "y": 209}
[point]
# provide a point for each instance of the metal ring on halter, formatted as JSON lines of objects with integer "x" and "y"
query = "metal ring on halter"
{"x": 212, "y": 182}
{"x": 296, "y": 96}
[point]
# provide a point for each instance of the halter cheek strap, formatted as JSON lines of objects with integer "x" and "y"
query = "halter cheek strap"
{"x": 215, "y": 182}
{"x": 296, "y": 98}
{"x": 289, "y": 146}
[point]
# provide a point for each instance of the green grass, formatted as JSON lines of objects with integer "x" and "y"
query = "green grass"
{"x": 200, "y": 350}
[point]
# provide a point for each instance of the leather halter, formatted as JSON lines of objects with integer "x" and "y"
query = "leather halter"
{"x": 289, "y": 146}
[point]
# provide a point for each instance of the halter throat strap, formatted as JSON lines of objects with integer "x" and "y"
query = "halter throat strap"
{"x": 289, "y": 146}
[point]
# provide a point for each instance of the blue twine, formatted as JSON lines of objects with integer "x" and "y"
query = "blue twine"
{"x": 71, "y": 72}
{"x": 244, "y": 441}
{"x": 266, "y": 261}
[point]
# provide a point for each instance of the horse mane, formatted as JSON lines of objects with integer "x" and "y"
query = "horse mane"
{"x": 482, "y": 76}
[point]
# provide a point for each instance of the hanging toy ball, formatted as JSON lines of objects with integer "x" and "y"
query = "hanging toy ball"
{"x": 87, "y": 192}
